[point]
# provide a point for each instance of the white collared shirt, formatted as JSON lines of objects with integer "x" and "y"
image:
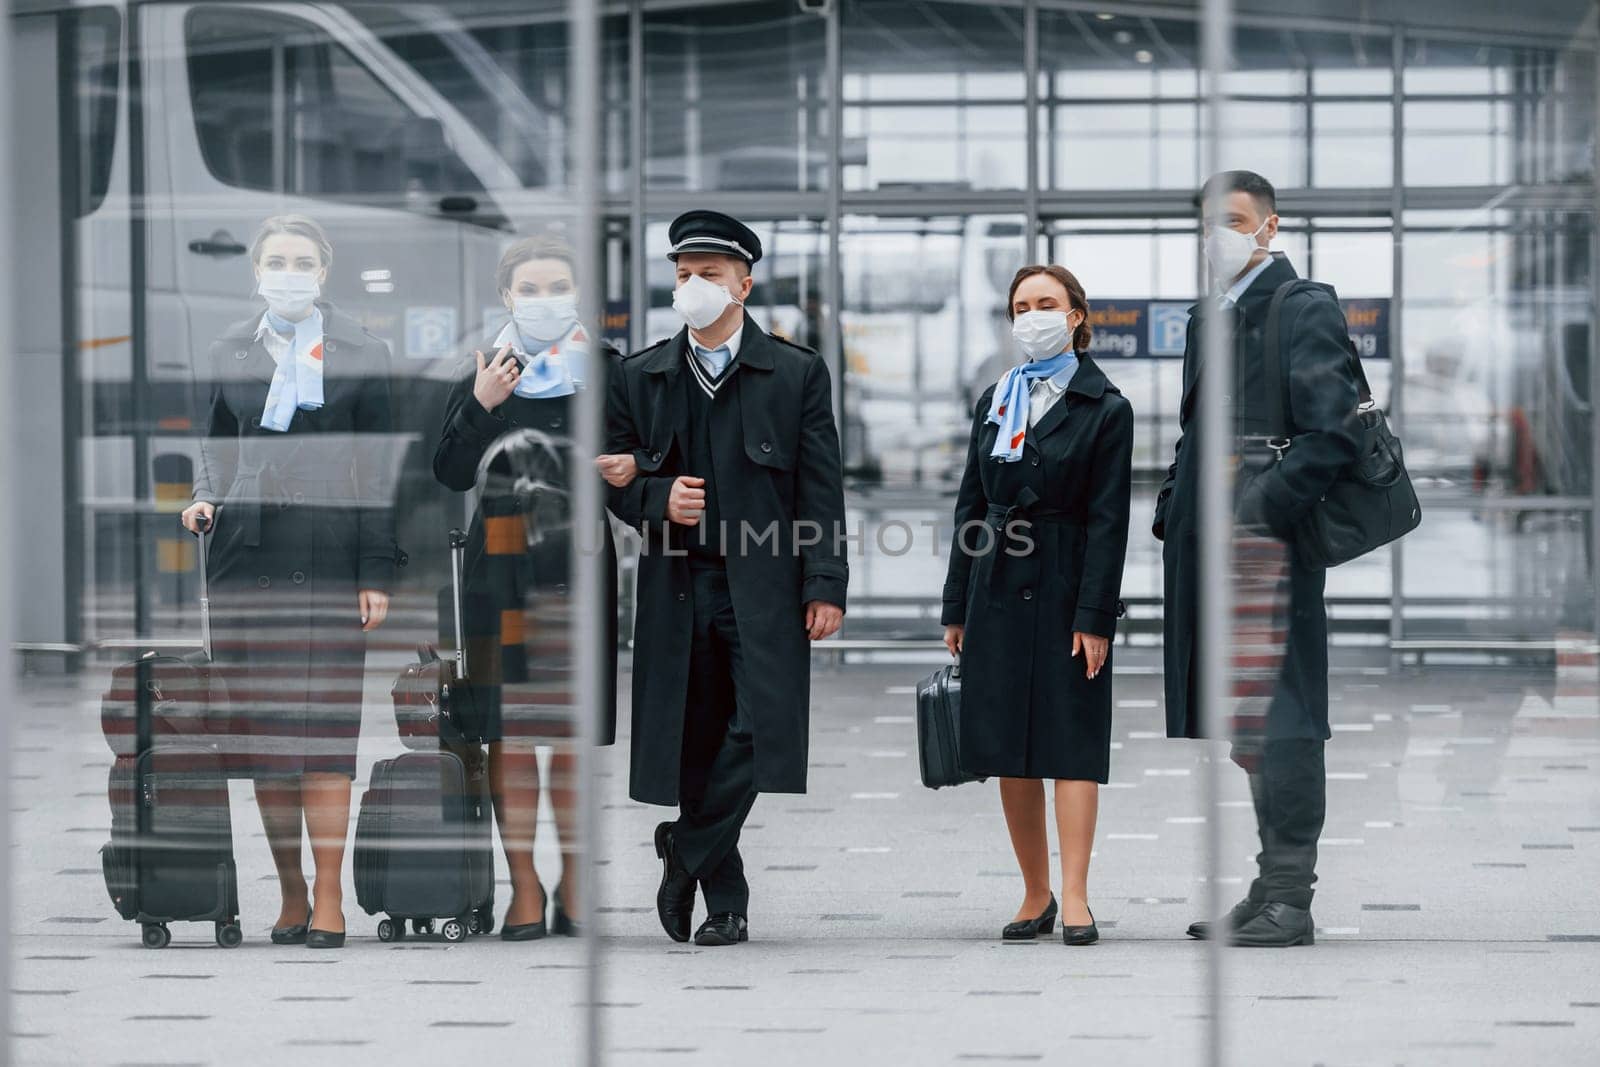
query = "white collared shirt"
{"x": 732, "y": 343}
{"x": 1045, "y": 392}
{"x": 1231, "y": 295}
{"x": 276, "y": 344}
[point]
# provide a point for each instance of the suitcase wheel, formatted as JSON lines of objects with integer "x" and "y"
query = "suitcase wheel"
{"x": 485, "y": 921}
{"x": 474, "y": 923}
{"x": 229, "y": 935}
{"x": 453, "y": 930}
{"x": 390, "y": 930}
{"x": 421, "y": 926}
{"x": 156, "y": 935}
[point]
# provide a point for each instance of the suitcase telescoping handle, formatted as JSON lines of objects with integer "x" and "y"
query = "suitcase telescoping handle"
{"x": 458, "y": 552}
{"x": 205, "y": 588}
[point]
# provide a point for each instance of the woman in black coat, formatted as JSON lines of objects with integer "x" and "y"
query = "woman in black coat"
{"x": 295, "y": 485}
{"x": 1031, "y": 596}
{"x": 518, "y": 614}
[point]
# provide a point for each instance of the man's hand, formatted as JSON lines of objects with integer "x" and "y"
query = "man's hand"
{"x": 496, "y": 378}
{"x": 687, "y": 500}
{"x": 1094, "y": 651}
{"x": 199, "y": 516}
{"x": 618, "y": 470}
{"x": 374, "y": 608}
{"x": 822, "y": 619}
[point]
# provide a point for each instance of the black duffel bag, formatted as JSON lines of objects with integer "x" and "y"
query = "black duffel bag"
{"x": 1371, "y": 502}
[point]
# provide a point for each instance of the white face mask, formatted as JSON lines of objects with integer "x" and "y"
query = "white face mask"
{"x": 701, "y": 302}
{"x": 544, "y": 319}
{"x": 288, "y": 293}
{"x": 1041, "y": 334}
{"x": 1228, "y": 251}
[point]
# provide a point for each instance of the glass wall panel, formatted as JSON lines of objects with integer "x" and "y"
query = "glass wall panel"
{"x": 933, "y": 96}
{"x": 734, "y": 98}
{"x": 276, "y": 235}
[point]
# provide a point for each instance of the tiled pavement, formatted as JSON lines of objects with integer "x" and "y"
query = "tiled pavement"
{"x": 1458, "y": 916}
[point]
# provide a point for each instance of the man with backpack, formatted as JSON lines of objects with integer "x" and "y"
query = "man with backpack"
{"x": 1288, "y": 450}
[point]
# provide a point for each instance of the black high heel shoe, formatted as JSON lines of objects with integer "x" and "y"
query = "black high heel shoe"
{"x": 1081, "y": 935}
{"x": 529, "y": 931}
{"x": 322, "y": 938}
{"x": 560, "y": 922}
{"x": 1030, "y": 929}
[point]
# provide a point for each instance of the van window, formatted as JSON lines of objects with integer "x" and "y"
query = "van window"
{"x": 97, "y": 42}
{"x": 280, "y": 105}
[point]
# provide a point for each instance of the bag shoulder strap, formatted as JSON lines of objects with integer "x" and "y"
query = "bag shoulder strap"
{"x": 1273, "y": 355}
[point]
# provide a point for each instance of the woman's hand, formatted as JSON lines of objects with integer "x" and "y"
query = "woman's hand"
{"x": 496, "y": 378}
{"x": 952, "y": 638}
{"x": 1094, "y": 651}
{"x": 617, "y": 470}
{"x": 374, "y": 608}
{"x": 199, "y": 516}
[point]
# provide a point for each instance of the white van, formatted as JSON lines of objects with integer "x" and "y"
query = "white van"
{"x": 233, "y": 112}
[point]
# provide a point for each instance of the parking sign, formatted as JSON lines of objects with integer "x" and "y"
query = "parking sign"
{"x": 430, "y": 332}
{"x": 1169, "y": 323}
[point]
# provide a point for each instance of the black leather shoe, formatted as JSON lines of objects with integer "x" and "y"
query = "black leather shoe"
{"x": 1080, "y": 935}
{"x": 289, "y": 935}
{"x": 1240, "y": 914}
{"x": 324, "y": 939}
{"x": 560, "y": 922}
{"x": 1030, "y": 929}
{"x": 1277, "y": 925}
{"x": 529, "y": 931}
{"x": 724, "y": 928}
{"x": 675, "y": 898}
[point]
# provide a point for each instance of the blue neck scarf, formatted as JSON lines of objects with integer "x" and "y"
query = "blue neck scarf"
{"x": 297, "y": 383}
{"x": 550, "y": 370}
{"x": 1009, "y": 408}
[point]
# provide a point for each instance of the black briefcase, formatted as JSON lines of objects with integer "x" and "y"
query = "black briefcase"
{"x": 939, "y": 728}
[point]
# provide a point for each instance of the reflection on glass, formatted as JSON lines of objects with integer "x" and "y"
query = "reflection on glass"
{"x": 924, "y": 334}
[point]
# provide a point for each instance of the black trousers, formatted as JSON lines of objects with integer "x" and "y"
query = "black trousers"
{"x": 1290, "y": 788}
{"x": 716, "y": 783}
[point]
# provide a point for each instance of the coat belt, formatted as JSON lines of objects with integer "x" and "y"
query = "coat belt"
{"x": 1025, "y": 508}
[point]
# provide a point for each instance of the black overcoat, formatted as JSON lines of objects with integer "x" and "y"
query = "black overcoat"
{"x": 1322, "y": 402}
{"x": 304, "y": 522}
{"x": 532, "y": 585}
{"x": 785, "y": 487}
{"x": 1038, "y": 555}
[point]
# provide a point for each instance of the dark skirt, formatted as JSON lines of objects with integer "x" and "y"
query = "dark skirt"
{"x": 288, "y": 643}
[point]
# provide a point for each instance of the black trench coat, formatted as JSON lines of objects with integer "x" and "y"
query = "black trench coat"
{"x": 305, "y": 521}
{"x": 788, "y": 471}
{"x": 1322, "y": 402}
{"x": 1029, "y": 709}
{"x": 533, "y": 585}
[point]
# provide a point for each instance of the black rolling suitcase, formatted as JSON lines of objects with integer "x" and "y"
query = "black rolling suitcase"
{"x": 170, "y": 857}
{"x": 424, "y": 835}
{"x": 939, "y": 728}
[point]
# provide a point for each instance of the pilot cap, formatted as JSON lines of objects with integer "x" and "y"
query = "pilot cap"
{"x": 712, "y": 231}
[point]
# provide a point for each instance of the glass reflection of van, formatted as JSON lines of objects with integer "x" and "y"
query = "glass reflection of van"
{"x": 214, "y": 116}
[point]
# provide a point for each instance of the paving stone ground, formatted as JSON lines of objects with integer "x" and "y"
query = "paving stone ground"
{"x": 1457, "y": 911}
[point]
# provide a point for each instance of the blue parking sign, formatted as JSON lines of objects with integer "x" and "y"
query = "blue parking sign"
{"x": 430, "y": 332}
{"x": 1169, "y": 323}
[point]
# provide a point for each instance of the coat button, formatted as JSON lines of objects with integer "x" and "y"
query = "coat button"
{"x": 298, "y": 577}
{"x": 329, "y": 346}
{"x": 766, "y": 446}
{"x": 264, "y": 582}
{"x": 1027, "y": 594}
{"x": 683, "y": 596}
{"x": 255, "y": 422}
{"x": 299, "y": 498}
{"x": 555, "y": 423}
{"x": 655, "y": 457}
{"x": 1035, "y": 461}
{"x": 241, "y": 353}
